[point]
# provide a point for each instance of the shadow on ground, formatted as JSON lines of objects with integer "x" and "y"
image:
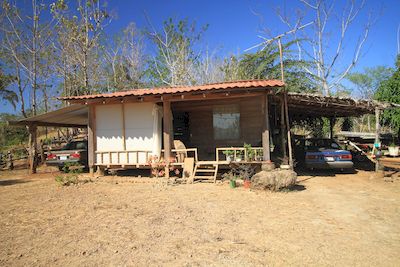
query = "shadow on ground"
{"x": 296, "y": 187}
{"x": 12, "y": 182}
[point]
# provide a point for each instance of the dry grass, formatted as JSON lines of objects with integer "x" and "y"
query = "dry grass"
{"x": 336, "y": 220}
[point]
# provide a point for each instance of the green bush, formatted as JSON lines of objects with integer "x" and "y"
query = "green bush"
{"x": 71, "y": 170}
{"x": 67, "y": 179}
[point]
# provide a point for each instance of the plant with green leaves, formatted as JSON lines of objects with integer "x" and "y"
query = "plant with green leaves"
{"x": 389, "y": 91}
{"x": 71, "y": 173}
{"x": 228, "y": 152}
{"x": 251, "y": 153}
{"x": 265, "y": 64}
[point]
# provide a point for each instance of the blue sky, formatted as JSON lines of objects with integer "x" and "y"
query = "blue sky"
{"x": 235, "y": 24}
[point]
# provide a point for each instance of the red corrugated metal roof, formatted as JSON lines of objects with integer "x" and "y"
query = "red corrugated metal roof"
{"x": 183, "y": 89}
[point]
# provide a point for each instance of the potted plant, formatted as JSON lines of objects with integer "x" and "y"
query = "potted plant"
{"x": 239, "y": 155}
{"x": 232, "y": 178}
{"x": 393, "y": 150}
{"x": 232, "y": 181}
{"x": 251, "y": 154}
{"x": 247, "y": 183}
{"x": 228, "y": 154}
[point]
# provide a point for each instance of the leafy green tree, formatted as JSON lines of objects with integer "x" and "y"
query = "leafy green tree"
{"x": 366, "y": 84}
{"x": 11, "y": 135}
{"x": 389, "y": 91}
{"x": 265, "y": 64}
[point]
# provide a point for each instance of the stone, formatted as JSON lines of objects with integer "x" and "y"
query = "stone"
{"x": 267, "y": 166}
{"x": 273, "y": 180}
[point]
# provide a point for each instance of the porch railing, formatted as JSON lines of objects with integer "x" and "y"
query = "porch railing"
{"x": 239, "y": 154}
{"x": 140, "y": 157}
{"x": 128, "y": 157}
{"x": 181, "y": 154}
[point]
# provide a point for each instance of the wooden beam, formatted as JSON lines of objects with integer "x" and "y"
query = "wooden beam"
{"x": 32, "y": 157}
{"x": 92, "y": 138}
{"x": 265, "y": 133}
{"x": 123, "y": 126}
{"x": 50, "y": 124}
{"x": 283, "y": 129}
{"x": 167, "y": 133}
{"x": 377, "y": 134}
{"x": 331, "y": 125}
{"x": 289, "y": 136}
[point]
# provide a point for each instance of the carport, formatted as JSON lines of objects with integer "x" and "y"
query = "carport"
{"x": 73, "y": 116}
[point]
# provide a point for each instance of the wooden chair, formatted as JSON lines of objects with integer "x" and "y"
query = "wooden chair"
{"x": 180, "y": 155}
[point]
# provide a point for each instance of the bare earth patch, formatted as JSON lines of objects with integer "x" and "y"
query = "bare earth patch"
{"x": 330, "y": 221}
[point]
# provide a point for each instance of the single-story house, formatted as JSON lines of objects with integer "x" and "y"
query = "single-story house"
{"x": 127, "y": 128}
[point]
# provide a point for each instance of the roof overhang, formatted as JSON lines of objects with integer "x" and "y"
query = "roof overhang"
{"x": 182, "y": 93}
{"x": 70, "y": 116}
{"x": 313, "y": 105}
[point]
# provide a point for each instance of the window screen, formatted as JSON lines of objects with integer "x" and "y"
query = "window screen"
{"x": 226, "y": 122}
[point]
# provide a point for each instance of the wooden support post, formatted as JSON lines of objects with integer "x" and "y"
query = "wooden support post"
{"x": 377, "y": 135}
{"x": 281, "y": 58}
{"x": 123, "y": 126}
{"x": 283, "y": 131}
{"x": 32, "y": 148}
{"x": 91, "y": 138}
{"x": 289, "y": 136}
{"x": 265, "y": 133}
{"x": 331, "y": 125}
{"x": 167, "y": 122}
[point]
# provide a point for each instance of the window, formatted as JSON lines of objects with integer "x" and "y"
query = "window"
{"x": 226, "y": 122}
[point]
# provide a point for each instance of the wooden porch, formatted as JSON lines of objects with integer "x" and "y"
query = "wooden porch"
{"x": 183, "y": 159}
{"x": 138, "y": 159}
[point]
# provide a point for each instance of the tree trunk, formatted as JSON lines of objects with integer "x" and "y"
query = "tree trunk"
{"x": 34, "y": 57}
{"x": 20, "y": 91}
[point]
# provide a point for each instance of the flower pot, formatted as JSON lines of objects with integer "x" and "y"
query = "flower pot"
{"x": 246, "y": 184}
{"x": 232, "y": 183}
{"x": 394, "y": 151}
{"x": 228, "y": 158}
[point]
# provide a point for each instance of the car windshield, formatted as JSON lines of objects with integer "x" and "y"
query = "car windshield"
{"x": 317, "y": 144}
{"x": 75, "y": 145}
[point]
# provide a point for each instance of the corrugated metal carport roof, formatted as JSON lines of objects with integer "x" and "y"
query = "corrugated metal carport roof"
{"x": 70, "y": 116}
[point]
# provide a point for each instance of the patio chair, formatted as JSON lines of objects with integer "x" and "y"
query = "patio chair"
{"x": 180, "y": 155}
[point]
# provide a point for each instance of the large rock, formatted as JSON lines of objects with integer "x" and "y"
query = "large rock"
{"x": 273, "y": 180}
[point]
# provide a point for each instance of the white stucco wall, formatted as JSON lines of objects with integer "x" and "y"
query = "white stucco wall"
{"x": 139, "y": 132}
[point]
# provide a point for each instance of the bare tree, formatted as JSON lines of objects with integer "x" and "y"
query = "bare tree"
{"x": 125, "y": 56}
{"x": 176, "y": 57}
{"x": 209, "y": 69}
{"x": 78, "y": 43}
{"x": 26, "y": 36}
{"x": 329, "y": 67}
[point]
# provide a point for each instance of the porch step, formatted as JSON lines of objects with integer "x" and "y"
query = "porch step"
{"x": 205, "y": 171}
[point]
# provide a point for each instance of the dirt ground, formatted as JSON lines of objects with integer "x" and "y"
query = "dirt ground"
{"x": 327, "y": 220}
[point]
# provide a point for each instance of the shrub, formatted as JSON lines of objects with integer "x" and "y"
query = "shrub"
{"x": 240, "y": 171}
{"x": 67, "y": 179}
{"x": 72, "y": 170}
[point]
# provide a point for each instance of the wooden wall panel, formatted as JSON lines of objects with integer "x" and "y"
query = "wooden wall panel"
{"x": 201, "y": 124}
